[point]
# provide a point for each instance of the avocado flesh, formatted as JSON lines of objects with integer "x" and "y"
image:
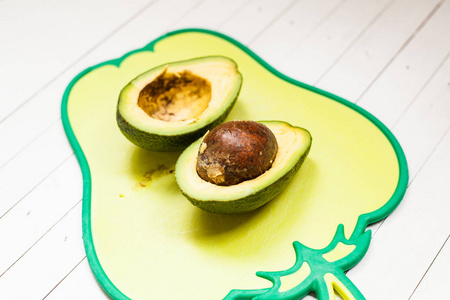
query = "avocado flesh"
{"x": 293, "y": 146}
{"x": 174, "y": 97}
{"x": 170, "y": 106}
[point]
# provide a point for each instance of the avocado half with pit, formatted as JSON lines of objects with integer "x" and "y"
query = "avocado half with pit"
{"x": 172, "y": 105}
{"x": 294, "y": 144}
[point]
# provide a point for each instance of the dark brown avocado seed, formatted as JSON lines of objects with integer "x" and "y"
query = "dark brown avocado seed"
{"x": 236, "y": 151}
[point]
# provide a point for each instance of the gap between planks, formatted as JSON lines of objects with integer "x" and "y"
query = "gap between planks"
{"x": 39, "y": 183}
{"x": 96, "y": 47}
{"x": 435, "y": 146}
{"x": 49, "y": 83}
{"x": 70, "y": 272}
{"x": 434, "y": 259}
{"x": 358, "y": 37}
{"x": 419, "y": 28}
{"x": 41, "y": 237}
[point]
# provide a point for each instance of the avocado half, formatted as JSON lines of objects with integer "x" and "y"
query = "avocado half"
{"x": 172, "y": 105}
{"x": 294, "y": 144}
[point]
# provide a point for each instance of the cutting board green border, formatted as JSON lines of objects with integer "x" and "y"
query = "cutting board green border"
{"x": 363, "y": 221}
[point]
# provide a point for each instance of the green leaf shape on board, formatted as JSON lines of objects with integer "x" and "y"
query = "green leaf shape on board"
{"x": 324, "y": 276}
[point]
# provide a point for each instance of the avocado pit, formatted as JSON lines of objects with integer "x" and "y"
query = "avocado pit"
{"x": 236, "y": 151}
{"x": 173, "y": 97}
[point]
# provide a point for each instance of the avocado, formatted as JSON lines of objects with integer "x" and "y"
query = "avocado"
{"x": 172, "y": 105}
{"x": 293, "y": 143}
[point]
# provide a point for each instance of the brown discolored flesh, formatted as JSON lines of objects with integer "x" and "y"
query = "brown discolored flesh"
{"x": 173, "y": 97}
{"x": 236, "y": 151}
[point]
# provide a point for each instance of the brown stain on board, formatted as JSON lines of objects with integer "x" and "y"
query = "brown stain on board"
{"x": 149, "y": 176}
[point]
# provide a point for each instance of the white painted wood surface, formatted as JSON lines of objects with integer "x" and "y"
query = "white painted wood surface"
{"x": 389, "y": 56}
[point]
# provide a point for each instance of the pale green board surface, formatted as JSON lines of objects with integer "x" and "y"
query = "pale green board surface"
{"x": 149, "y": 242}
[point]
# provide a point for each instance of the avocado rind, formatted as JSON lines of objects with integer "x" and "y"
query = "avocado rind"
{"x": 166, "y": 143}
{"x": 164, "y": 137}
{"x": 192, "y": 186}
{"x": 253, "y": 201}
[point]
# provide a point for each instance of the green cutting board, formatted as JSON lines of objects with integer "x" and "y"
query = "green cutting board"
{"x": 144, "y": 240}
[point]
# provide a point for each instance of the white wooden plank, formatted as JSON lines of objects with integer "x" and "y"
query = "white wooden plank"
{"x": 43, "y": 266}
{"x": 292, "y": 28}
{"x": 52, "y": 34}
{"x": 30, "y": 167}
{"x": 254, "y": 17}
{"x": 350, "y": 76}
{"x": 399, "y": 84}
{"x": 79, "y": 284}
{"x": 156, "y": 20}
{"x": 425, "y": 122}
{"x": 31, "y": 120}
{"x": 39, "y": 211}
{"x": 409, "y": 239}
{"x": 20, "y": 128}
{"x": 417, "y": 132}
{"x": 128, "y": 42}
{"x": 405, "y": 78}
{"x": 420, "y": 129}
{"x": 210, "y": 14}
{"x": 437, "y": 280}
{"x": 308, "y": 61}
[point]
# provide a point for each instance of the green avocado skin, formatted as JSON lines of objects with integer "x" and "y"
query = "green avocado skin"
{"x": 166, "y": 143}
{"x": 253, "y": 201}
{"x": 179, "y": 139}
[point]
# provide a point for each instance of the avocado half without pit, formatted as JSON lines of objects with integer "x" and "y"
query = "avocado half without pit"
{"x": 241, "y": 165}
{"x": 170, "y": 106}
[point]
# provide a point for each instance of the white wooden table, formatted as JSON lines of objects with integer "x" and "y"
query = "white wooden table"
{"x": 390, "y": 57}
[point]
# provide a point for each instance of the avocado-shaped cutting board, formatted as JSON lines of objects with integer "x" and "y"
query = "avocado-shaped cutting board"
{"x": 144, "y": 240}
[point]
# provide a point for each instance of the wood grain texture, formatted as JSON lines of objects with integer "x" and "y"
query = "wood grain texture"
{"x": 390, "y": 57}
